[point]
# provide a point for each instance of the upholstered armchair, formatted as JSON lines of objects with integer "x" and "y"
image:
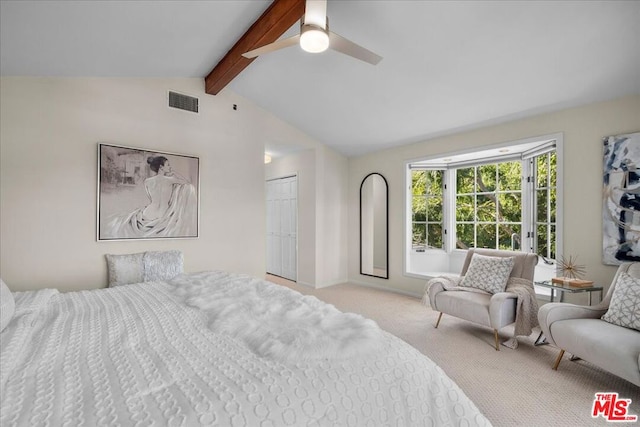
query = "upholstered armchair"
{"x": 495, "y": 310}
{"x": 581, "y": 331}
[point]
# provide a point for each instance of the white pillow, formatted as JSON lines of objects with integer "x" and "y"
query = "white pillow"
{"x": 7, "y": 305}
{"x": 162, "y": 265}
{"x": 488, "y": 273}
{"x": 125, "y": 269}
{"x": 624, "y": 308}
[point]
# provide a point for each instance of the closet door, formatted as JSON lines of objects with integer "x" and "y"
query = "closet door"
{"x": 282, "y": 224}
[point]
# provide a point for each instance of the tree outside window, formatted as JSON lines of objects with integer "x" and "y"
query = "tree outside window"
{"x": 489, "y": 206}
{"x": 488, "y": 202}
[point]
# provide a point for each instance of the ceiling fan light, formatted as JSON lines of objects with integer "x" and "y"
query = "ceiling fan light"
{"x": 314, "y": 39}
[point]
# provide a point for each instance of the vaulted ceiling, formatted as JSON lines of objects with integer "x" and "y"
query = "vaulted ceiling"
{"x": 447, "y": 66}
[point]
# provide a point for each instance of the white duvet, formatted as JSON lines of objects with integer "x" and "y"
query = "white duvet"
{"x": 213, "y": 349}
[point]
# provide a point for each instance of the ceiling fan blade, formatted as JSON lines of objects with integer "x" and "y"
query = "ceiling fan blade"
{"x": 277, "y": 45}
{"x": 315, "y": 13}
{"x": 342, "y": 45}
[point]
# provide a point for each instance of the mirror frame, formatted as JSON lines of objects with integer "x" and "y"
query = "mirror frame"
{"x": 386, "y": 184}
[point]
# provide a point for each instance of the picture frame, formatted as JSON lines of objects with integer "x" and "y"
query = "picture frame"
{"x": 146, "y": 194}
{"x": 621, "y": 199}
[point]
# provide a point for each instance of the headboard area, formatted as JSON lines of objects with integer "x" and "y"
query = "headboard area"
{"x": 143, "y": 267}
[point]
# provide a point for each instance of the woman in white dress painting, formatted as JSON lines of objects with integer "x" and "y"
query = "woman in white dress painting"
{"x": 171, "y": 211}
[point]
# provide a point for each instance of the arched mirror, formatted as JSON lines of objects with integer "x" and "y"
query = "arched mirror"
{"x": 374, "y": 226}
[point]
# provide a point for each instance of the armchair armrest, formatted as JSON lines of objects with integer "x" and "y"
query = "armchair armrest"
{"x": 498, "y": 299}
{"x": 437, "y": 285}
{"x": 433, "y": 290}
{"x": 555, "y": 311}
{"x": 499, "y": 312}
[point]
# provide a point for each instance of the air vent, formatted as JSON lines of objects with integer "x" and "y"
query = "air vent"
{"x": 183, "y": 102}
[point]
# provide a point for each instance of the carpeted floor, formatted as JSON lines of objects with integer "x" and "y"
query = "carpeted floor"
{"x": 511, "y": 387}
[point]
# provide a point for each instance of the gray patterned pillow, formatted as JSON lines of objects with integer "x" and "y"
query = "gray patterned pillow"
{"x": 488, "y": 273}
{"x": 624, "y": 308}
{"x": 163, "y": 265}
{"x": 125, "y": 269}
{"x": 7, "y": 305}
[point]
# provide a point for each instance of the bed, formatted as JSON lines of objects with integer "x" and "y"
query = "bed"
{"x": 212, "y": 348}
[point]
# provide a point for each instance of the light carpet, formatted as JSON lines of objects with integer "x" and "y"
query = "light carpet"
{"x": 511, "y": 387}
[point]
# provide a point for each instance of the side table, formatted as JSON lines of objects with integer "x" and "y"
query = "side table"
{"x": 562, "y": 289}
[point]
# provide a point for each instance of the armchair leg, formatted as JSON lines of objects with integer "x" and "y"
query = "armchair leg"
{"x": 438, "y": 322}
{"x": 555, "y": 365}
{"x": 495, "y": 335}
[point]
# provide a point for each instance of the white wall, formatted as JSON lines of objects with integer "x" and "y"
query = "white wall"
{"x": 49, "y": 130}
{"x": 50, "y": 127}
{"x": 332, "y": 214}
{"x": 583, "y": 129}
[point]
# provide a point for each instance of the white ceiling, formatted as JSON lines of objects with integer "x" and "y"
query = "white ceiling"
{"x": 448, "y": 66}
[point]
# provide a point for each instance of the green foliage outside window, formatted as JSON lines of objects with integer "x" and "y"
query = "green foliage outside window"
{"x": 488, "y": 206}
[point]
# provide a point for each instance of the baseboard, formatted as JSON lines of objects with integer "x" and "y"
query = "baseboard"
{"x": 309, "y": 285}
{"x": 325, "y": 285}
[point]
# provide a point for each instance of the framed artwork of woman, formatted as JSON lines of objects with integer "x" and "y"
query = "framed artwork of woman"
{"x": 144, "y": 194}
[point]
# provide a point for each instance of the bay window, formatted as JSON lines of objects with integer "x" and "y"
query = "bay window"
{"x": 502, "y": 197}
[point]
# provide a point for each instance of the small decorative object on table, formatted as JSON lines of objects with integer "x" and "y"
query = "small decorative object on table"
{"x": 576, "y": 283}
{"x": 572, "y": 273}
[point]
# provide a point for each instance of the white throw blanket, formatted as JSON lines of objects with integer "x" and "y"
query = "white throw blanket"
{"x": 276, "y": 322}
{"x": 526, "y": 304}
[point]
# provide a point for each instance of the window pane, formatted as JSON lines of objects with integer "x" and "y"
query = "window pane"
{"x": 464, "y": 236}
{"x": 552, "y": 202}
{"x": 465, "y": 181}
{"x": 435, "y": 182}
{"x": 486, "y": 208}
{"x": 419, "y": 182}
{"x": 552, "y": 252}
{"x": 511, "y": 207}
{"x": 552, "y": 161}
{"x": 434, "y": 235}
{"x": 486, "y": 178}
{"x": 419, "y": 208}
{"x": 541, "y": 196}
{"x": 510, "y": 176}
{"x": 434, "y": 209}
{"x": 419, "y": 236}
{"x": 464, "y": 208}
{"x": 486, "y": 236}
{"x": 543, "y": 170}
{"x": 509, "y": 236}
{"x": 541, "y": 238}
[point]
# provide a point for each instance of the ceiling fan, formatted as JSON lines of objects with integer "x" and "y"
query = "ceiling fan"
{"x": 315, "y": 37}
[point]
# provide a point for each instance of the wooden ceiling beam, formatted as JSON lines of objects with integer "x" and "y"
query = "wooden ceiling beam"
{"x": 273, "y": 23}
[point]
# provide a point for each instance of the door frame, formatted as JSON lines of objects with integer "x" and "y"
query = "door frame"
{"x": 290, "y": 175}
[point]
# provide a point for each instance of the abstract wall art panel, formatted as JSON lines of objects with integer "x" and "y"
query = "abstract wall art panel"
{"x": 621, "y": 199}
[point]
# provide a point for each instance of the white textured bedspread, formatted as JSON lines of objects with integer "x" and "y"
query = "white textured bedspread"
{"x": 213, "y": 349}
